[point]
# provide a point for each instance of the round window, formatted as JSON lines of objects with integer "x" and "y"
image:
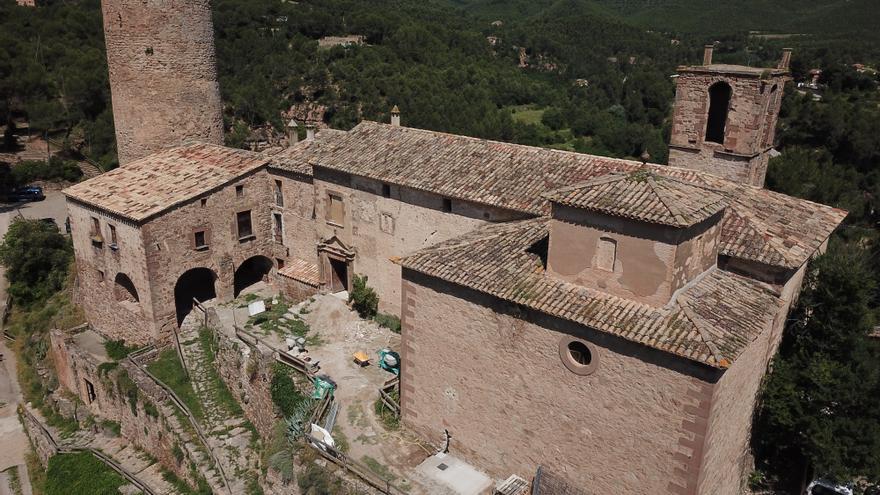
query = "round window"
{"x": 579, "y": 356}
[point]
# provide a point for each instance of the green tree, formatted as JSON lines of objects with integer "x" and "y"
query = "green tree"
{"x": 363, "y": 298}
{"x": 820, "y": 406}
{"x": 37, "y": 258}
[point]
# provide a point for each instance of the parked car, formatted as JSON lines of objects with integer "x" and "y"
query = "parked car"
{"x": 28, "y": 193}
{"x": 826, "y": 487}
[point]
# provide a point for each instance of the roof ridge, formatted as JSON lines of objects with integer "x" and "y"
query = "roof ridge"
{"x": 698, "y": 321}
{"x": 679, "y": 217}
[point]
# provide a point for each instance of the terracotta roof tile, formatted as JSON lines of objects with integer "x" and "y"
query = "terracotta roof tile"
{"x": 155, "y": 183}
{"x": 759, "y": 225}
{"x": 711, "y": 322}
{"x": 303, "y": 271}
{"x": 643, "y": 195}
{"x": 296, "y": 158}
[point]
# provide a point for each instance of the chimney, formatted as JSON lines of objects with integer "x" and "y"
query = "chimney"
{"x": 786, "y": 58}
{"x": 707, "y": 54}
{"x": 395, "y": 116}
{"x": 292, "y": 135}
{"x": 311, "y": 129}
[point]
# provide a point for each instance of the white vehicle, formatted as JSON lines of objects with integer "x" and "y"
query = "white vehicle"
{"x": 826, "y": 487}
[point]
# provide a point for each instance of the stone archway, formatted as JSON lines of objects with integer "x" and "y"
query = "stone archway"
{"x": 250, "y": 271}
{"x": 125, "y": 293}
{"x": 197, "y": 283}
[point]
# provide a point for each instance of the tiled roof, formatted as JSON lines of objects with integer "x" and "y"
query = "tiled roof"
{"x": 759, "y": 225}
{"x": 711, "y": 322}
{"x": 301, "y": 270}
{"x": 296, "y": 158}
{"x": 155, "y": 183}
{"x": 643, "y": 195}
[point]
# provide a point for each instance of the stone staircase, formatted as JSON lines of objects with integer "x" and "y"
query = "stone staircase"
{"x": 226, "y": 433}
{"x": 130, "y": 458}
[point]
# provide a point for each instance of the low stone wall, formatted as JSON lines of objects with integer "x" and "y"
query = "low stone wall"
{"x": 246, "y": 368}
{"x": 43, "y": 444}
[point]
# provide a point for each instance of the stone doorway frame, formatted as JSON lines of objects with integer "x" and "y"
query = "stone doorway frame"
{"x": 334, "y": 250}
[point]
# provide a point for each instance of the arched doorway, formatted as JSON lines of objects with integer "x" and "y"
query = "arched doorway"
{"x": 251, "y": 271}
{"x": 719, "y": 104}
{"x": 125, "y": 293}
{"x": 198, "y": 284}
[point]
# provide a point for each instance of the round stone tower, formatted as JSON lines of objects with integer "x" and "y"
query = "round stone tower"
{"x": 163, "y": 74}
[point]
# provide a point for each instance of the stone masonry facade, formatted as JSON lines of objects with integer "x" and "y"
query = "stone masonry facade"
{"x": 163, "y": 74}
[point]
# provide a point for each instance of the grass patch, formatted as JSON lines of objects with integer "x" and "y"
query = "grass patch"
{"x": 223, "y": 395}
{"x": 36, "y": 472}
{"x": 285, "y": 394}
{"x": 168, "y": 369}
{"x": 379, "y": 468}
{"x": 389, "y": 321}
{"x": 182, "y": 487}
{"x": 388, "y": 418}
{"x": 527, "y": 114}
{"x": 112, "y": 426}
{"x": 81, "y": 474}
{"x": 14, "y": 480}
{"x": 117, "y": 350}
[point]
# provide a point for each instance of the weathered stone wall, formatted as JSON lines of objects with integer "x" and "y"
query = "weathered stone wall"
{"x": 98, "y": 264}
{"x": 379, "y": 228}
{"x": 246, "y": 368}
{"x": 749, "y": 131}
{"x": 163, "y": 74}
{"x": 42, "y": 443}
{"x": 141, "y": 417}
{"x": 170, "y": 243}
{"x": 652, "y": 261}
{"x": 298, "y": 213}
{"x": 493, "y": 375}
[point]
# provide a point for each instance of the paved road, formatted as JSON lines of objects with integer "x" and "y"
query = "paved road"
{"x": 13, "y": 440}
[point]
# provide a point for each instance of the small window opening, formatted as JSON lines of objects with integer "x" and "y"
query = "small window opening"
{"x": 335, "y": 210}
{"x": 239, "y": 191}
{"x": 719, "y": 104}
{"x": 447, "y": 205}
{"x": 243, "y": 220}
{"x": 386, "y": 190}
{"x": 279, "y": 193}
{"x": 101, "y": 275}
{"x": 278, "y": 228}
{"x": 279, "y": 262}
{"x": 580, "y": 353}
{"x": 113, "y": 244}
{"x": 204, "y": 202}
{"x": 201, "y": 240}
{"x": 90, "y": 391}
{"x": 96, "y": 226}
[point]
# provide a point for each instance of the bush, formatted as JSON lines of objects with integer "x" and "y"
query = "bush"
{"x": 284, "y": 393}
{"x": 388, "y": 321}
{"x": 117, "y": 350}
{"x": 37, "y": 258}
{"x": 55, "y": 169}
{"x": 363, "y": 298}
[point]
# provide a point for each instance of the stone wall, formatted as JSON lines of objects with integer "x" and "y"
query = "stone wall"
{"x": 163, "y": 74}
{"x": 379, "y": 228}
{"x": 171, "y": 250}
{"x": 246, "y": 368}
{"x": 42, "y": 443}
{"x": 650, "y": 262}
{"x": 98, "y": 266}
{"x": 141, "y": 416}
{"x": 297, "y": 213}
{"x": 493, "y": 375}
{"x": 749, "y": 130}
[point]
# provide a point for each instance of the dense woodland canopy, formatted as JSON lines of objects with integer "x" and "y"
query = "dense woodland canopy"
{"x": 597, "y": 80}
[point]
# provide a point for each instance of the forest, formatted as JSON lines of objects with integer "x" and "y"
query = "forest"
{"x": 583, "y": 75}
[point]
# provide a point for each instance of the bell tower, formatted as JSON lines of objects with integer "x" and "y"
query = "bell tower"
{"x": 725, "y": 118}
{"x": 163, "y": 74}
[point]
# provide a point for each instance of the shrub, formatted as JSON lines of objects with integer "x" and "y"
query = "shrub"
{"x": 388, "y": 321}
{"x": 55, "y": 169}
{"x": 363, "y": 298}
{"x": 37, "y": 258}
{"x": 117, "y": 350}
{"x": 284, "y": 393}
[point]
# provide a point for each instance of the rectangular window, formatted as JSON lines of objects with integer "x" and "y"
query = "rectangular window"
{"x": 101, "y": 275}
{"x": 239, "y": 191}
{"x": 280, "y": 263}
{"x": 201, "y": 240}
{"x": 204, "y": 202}
{"x": 113, "y": 237}
{"x": 606, "y": 254}
{"x": 96, "y": 226}
{"x": 335, "y": 209}
{"x": 386, "y": 190}
{"x": 447, "y": 205}
{"x": 278, "y": 225}
{"x": 243, "y": 220}
{"x": 279, "y": 194}
{"x": 90, "y": 391}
